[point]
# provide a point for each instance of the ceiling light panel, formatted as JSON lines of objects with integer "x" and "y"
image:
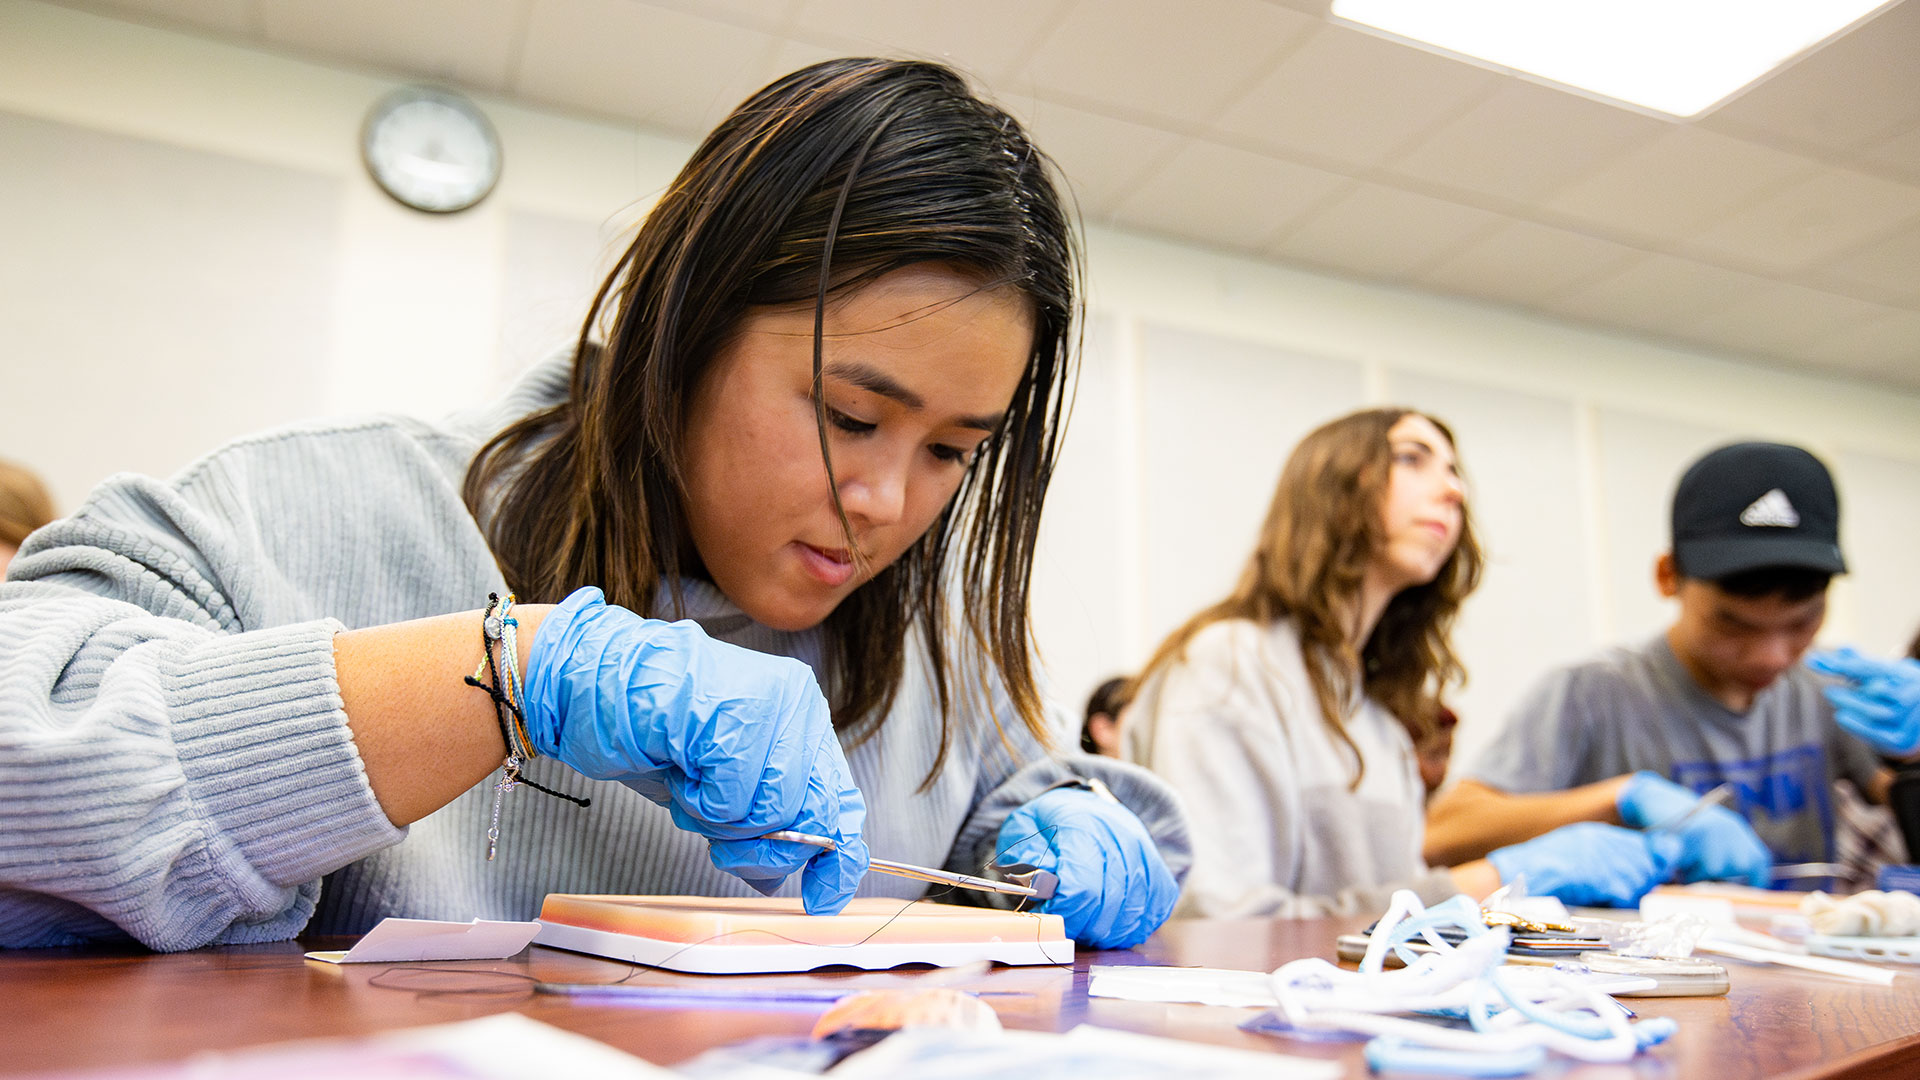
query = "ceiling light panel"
{"x": 1674, "y": 57}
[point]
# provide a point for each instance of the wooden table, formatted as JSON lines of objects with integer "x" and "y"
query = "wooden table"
{"x": 94, "y": 1007}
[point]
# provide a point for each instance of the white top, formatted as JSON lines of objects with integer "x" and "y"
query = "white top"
{"x": 1235, "y": 727}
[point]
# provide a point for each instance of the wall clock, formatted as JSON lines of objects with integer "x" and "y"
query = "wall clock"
{"x": 430, "y": 149}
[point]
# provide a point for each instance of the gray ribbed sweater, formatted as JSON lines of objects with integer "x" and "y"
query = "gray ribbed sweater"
{"x": 175, "y": 765}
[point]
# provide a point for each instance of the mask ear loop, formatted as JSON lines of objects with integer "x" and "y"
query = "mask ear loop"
{"x": 1576, "y": 1021}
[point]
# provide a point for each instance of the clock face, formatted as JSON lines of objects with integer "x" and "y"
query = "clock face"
{"x": 431, "y": 150}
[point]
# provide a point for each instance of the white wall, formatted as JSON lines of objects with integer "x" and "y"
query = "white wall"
{"x": 193, "y": 251}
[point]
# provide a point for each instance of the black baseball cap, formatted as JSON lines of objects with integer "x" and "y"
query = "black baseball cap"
{"x": 1756, "y": 504}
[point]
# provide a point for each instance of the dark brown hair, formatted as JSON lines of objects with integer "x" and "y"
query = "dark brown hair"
{"x": 1108, "y": 698}
{"x": 816, "y": 185}
{"x": 1322, "y": 530}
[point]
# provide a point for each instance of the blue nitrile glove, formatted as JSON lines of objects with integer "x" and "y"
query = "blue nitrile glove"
{"x": 1717, "y": 844}
{"x": 735, "y": 743}
{"x": 1590, "y": 863}
{"x": 1114, "y": 888}
{"x": 1880, "y": 705}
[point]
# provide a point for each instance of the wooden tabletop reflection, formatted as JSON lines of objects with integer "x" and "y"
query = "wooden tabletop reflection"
{"x": 97, "y": 1007}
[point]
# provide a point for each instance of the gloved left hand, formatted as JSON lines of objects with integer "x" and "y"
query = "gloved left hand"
{"x": 734, "y": 743}
{"x": 1114, "y": 888}
{"x": 1716, "y": 844}
{"x": 1881, "y": 703}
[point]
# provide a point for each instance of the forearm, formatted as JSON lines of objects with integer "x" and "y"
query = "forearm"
{"x": 1477, "y": 879}
{"x": 1473, "y": 819}
{"x": 422, "y": 733}
{"x": 1880, "y": 786}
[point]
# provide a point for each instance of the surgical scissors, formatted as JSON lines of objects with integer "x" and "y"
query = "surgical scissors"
{"x": 1035, "y": 884}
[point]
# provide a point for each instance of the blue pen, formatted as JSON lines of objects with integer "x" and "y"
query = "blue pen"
{"x": 700, "y": 996}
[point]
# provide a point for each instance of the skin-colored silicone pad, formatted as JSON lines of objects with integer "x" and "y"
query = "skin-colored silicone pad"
{"x": 757, "y": 921}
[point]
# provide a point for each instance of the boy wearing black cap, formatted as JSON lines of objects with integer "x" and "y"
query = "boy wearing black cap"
{"x": 1635, "y": 734}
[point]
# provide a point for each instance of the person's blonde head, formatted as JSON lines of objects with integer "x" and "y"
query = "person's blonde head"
{"x": 24, "y": 504}
{"x": 1323, "y": 530}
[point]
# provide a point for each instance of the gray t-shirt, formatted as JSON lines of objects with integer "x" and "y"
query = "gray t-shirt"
{"x": 1635, "y": 708}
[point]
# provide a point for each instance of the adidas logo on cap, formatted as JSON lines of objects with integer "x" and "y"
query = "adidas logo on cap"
{"x": 1771, "y": 510}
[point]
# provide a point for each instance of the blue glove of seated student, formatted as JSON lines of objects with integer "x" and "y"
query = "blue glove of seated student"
{"x": 1880, "y": 705}
{"x": 1590, "y": 863}
{"x": 735, "y": 743}
{"x": 1114, "y": 889}
{"x": 1716, "y": 843}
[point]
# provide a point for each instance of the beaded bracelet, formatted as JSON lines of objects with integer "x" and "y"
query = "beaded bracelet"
{"x": 498, "y": 626}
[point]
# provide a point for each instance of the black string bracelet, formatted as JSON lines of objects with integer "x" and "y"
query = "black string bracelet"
{"x": 507, "y": 714}
{"x": 500, "y": 703}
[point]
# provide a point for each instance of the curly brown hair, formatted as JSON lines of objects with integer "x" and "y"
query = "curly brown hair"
{"x": 1321, "y": 531}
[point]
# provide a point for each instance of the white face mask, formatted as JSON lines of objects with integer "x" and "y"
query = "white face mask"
{"x": 1516, "y": 1015}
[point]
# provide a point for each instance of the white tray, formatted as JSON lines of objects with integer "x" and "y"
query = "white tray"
{"x": 1894, "y": 950}
{"x": 712, "y": 958}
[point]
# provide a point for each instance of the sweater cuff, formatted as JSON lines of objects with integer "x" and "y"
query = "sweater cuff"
{"x": 269, "y": 760}
{"x": 1149, "y": 797}
{"x": 1436, "y": 886}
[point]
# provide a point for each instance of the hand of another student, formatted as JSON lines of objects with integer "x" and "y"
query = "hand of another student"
{"x": 1114, "y": 889}
{"x": 1591, "y": 863}
{"x": 1716, "y": 843}
{"x": 1880, "y": 705}
{"x": 734, "y": 743}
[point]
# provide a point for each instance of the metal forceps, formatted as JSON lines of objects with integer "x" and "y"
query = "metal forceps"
{"x": 1719, "y": 796}
{"x": 1027, "y": 881}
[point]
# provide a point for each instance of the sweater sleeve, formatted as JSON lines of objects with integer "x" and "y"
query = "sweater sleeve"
{"x": 166, "y": 773}
{"x": 1017, "y": 769}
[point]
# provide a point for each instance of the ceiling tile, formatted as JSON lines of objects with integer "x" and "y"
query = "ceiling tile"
{"x": 1103, "y": 158}
{"x": 1382, "y": 232}
{"x": 1224, "y": 196}
{"x": 1885, "y": 346}
{"x": 1183, "y": 63}
{"x": 1901, "y": 154}
{"x": 638, "y": 61}
{"x": 987, "y": 38}
{"x": 1525, "y": 142}
{"x": 1811, "y": 220}
{"x": 464, "y": 41}
{"x": 232, "y": 18}
{"x": 1522, "y": 262}
{"x": 769, "y": 15}
{"x": 1782, "y": 320}
{"x": 787, "y": 57}
{"x": 1354, "y": 97}
{"x": 1890, "y": 266}
{"x": 1677, "y": 184}
{"x": 1846, "y": 95}
{"x": 1659, "y": 293}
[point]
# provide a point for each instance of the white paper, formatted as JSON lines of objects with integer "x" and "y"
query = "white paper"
{"x": 1254, "y": 989}
{"x": 396, "y": 940}
{"x": 1714, "y": 910}
{"x": 1196, "y": 986}
{"x": 931, "y": 1053}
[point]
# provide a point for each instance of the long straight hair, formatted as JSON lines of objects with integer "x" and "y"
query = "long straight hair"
{"x": 1322, "y": 530}
{"x": 818, "y": 184}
